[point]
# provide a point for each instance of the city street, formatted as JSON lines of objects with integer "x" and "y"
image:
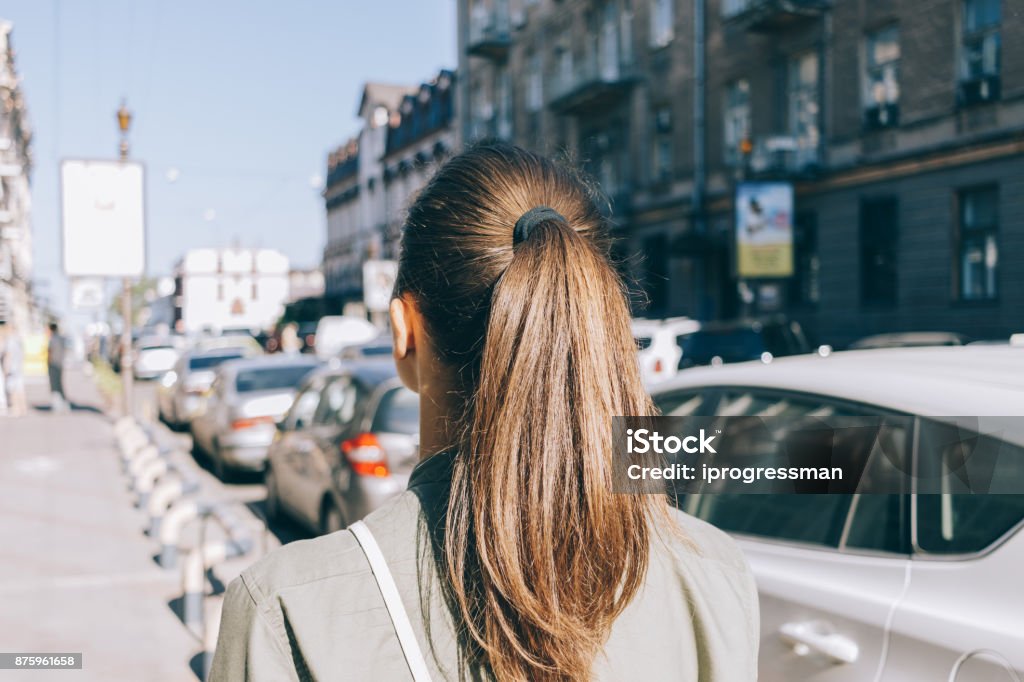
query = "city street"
{"x": 77, "y": 572}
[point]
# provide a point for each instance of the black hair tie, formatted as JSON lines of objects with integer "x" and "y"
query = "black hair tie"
{"x": 532, "y": 218}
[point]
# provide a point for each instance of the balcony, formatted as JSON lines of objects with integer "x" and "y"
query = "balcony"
{"x": 784, "y": 157}
{"x": 766, "y": 16}
{"x": 490, "y": 35}
{"x": 592, "y": 86}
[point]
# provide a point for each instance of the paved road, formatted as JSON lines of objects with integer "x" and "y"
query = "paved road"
{"x": 76, "y": 572}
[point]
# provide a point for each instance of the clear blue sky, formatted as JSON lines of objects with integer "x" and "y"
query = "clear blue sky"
{"x": 244, "y": 98}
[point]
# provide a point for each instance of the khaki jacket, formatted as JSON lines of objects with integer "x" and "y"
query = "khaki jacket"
{"x": 312, "y": 610}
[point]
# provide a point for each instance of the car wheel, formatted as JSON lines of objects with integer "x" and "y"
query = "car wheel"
{"x": 273, "y": 501}
{"x": 332, "y": 519}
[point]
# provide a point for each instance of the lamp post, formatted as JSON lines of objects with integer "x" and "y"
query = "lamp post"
{"x": 124, "y": 121}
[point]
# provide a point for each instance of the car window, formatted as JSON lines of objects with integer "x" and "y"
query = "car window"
{"x": 337, "y": 403}
{"x": 958, "y": 522}
{"x": 303, "y": 409}
{"x": 643, "y": 342}
{"x": 271, "y": 378}
{"x": 818, "y": 519}
{"x": 397, "y": 412}
{"x": 686, "y": 403}
{"x": 210, "y": 361}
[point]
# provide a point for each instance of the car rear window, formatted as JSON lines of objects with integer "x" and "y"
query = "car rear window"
{"x": 398, "y": 412}
{"x": 733, "y": 345}
{"x": 271, "y": 378}
{"x": 201, "y": 362}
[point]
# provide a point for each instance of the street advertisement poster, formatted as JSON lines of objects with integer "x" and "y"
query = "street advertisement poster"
{"x": 103, "y": 218}
{"x": 378, "y": 283}
{"x": 764, "y": 229}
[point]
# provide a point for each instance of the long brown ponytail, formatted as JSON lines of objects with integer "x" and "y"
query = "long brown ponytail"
{"x": 540, "y": 555}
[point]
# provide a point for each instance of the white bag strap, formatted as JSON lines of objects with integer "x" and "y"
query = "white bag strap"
{"x": 393, "y": 602}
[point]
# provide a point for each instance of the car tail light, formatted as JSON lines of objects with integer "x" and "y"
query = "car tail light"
{"x": 365, "y": 455}
{"x": 249, "y": 422}
{"x": 657, "y": 366}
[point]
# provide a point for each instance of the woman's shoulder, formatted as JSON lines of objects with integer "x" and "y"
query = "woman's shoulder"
{"x": 694, "y": 540}
{"x": 326, "y": 558}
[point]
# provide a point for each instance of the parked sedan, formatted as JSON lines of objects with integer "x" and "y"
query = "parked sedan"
{"x": 154, "y": 357}
{"x": 878, "y": 587}
{"x": 245, "y": 401}
{"x": 181, "y": 391}
{"x": 348, "y": 444}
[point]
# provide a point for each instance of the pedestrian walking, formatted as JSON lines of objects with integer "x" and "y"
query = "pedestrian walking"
{"x": 12, "y": 366}
{"x": 509, "y": 556}
{"x": 55, "y": 351}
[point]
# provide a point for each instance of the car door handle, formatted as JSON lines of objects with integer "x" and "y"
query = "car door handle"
{"x": 818, "y": 637}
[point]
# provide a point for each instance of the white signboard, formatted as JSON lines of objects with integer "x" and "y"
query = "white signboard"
{"x": 378, "y": 283}
{"x": 87, "y": 294}
{"x": 103, "y": 217}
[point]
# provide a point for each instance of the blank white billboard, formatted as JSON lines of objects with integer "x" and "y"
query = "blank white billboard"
{"x": 103, "y": 216}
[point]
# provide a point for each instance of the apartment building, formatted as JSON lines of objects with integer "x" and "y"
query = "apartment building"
{"x": 898, "y": 126}
{"x": 16, "y": 304}
{"x": 406, "y": 131}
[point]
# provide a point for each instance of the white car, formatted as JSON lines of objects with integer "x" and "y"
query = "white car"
{"x": 154, "y": 357}
{"x": 659, "y": 352}
{"x": 879, "y": 587}
{"x": 237, "y": 422}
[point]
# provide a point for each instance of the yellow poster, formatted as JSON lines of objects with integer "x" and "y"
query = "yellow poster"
{"x": 764, "y": 230}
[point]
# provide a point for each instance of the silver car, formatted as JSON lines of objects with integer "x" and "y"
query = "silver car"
{"x": 180, "y": 393}
{"x": 245, "y": 401}
{"x": 878, "y": 587}
{"x": 348, "y": 444}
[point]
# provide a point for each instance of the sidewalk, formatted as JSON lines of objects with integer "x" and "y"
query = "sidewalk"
{"x": 76, "y": 571}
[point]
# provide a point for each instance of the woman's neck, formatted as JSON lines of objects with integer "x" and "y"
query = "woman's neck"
{"x": 438, "y": 412}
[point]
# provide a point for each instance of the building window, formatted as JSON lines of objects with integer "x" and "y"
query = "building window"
{"x": 662, "y": 20}
{"x": 979, "y": 50}
{"x": 534, "y": 84}
{"x": 656, "y": 274}
{"x": 504, "y": 87}
{"x": 879, "y": 251}
{"x": 802, "y": 97}
{"x": 805, "y": 285}
{"x": 662, "y": 148}
{"x": 737, "y": 120}
{"x": 977, "y": 246}
{"x": 882, "y": 78}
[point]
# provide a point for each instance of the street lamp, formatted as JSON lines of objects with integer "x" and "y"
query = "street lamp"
{"x": 124, "y": 122}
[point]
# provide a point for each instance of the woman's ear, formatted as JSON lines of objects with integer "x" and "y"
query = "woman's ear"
{"x": 403, "y": 314}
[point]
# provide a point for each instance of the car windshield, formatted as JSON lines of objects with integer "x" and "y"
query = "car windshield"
{"x": 732, "y": 345}
{"x": 399, "y": 412}
{"x": 271, "y": 378}
{"x": 201, "y": 362}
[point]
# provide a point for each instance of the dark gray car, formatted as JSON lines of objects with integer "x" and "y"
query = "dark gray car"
{"x": 348, "y": 444}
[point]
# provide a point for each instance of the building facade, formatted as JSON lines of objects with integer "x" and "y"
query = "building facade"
{"x": 899, "y": 124}
{"x": 229, "y": 289}
{"x": 15, "y": 193}
{"x": 405, "y": 132}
